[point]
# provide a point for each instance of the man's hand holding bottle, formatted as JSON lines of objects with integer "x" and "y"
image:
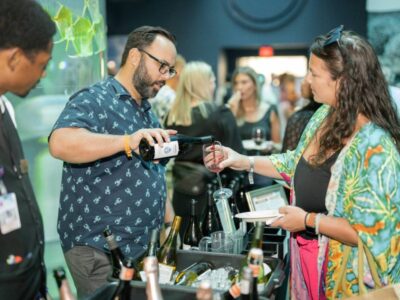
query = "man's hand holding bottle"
{"x": 151, "y": 135}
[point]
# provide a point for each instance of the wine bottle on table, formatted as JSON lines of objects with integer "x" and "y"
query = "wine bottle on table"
{"x": 193, "y": 233}
{"x": 256, "y": 242}
{"x": 246, "y": 284}
{"x": 151, "y": 251}
{"x": 123, "y": 291}
{"x": 211, "y": 221}
{"x": 224, "y": 179}
{"x": 215, "y": 184}
{"x": 167, "y": 253}
{"x": 255, "y": 261}
{"x": 234, "y": 291}
{"x": 117, "y": 258}
{"x": 178, "y": 144}
{"x": 234, "y": 211}
{"x": 192, "y": 273}
{"x": 62, "y": 284}
{"x": 153, "y": 290}
{"x": 204, "y": 291}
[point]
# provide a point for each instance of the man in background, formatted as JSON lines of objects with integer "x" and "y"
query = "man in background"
{"x": 26, "y": 32}
{"x": 105, "y": 183}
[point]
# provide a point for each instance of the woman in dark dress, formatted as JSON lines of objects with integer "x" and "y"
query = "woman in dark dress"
{"x": 253, "y": 114}
{"x": 250, "y": 112}
{"x": 299, "y": 120}
{"x": 193, "y": 113}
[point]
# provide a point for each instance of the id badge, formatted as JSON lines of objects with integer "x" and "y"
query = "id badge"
{"x": 9, "y": 214}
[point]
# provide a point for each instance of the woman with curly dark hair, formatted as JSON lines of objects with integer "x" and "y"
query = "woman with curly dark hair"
{"x": 344, "y": 175}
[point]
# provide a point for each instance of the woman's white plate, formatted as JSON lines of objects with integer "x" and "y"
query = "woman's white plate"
{"x": 267, "y": 216}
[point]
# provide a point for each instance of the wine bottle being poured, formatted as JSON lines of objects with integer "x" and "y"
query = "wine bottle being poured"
{"x": 179, "y": 144}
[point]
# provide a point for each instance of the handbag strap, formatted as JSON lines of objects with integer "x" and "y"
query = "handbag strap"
{"x": 362, "y": 249}
{"x": 342, "y": 272}
{"x": 341, "y": 280}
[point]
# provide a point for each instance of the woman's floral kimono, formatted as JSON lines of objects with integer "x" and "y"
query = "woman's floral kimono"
{"x": 364, "y": 189}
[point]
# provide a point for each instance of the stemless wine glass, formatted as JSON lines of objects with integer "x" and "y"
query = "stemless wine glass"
{"x": 213, "y": 154}
{"x": 258, "y": 135}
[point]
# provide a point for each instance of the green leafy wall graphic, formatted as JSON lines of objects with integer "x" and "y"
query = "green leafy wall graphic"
{"x": 84, "y": 32}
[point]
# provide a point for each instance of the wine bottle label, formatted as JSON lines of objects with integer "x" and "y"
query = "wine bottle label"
{"x": 165, "y": 273}
{"x": 267, "y": 269}
{"x": 245, "y": 287}
{"x": 204, "y": 275}
{"x": 143, "y": 276}
{"x": 167, "y": 150}
{"x": 186, "y": 247}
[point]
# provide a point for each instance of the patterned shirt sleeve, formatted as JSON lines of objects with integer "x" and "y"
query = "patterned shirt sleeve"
{"x": 372, "y": 199}
{"x": 284, "y": 163}
{"x": 82, "y": 111}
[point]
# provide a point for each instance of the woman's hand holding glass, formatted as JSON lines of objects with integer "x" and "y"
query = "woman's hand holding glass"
{"x": 213, "y": 155}
{"x": 231, "y": 159}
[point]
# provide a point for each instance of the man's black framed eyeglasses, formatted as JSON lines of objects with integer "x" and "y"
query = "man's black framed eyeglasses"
{"x": 334, "y": 36}
{"x": 164, "y": 67}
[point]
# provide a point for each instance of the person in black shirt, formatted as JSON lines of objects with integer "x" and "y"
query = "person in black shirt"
{"x": 299, "y": 120}
{"x": 195, "y": 114}
{"x": 26, "y": 32}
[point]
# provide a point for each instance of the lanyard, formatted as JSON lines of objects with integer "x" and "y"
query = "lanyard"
{"x": 3, "y": 189}
{"x": 13, "y": 153}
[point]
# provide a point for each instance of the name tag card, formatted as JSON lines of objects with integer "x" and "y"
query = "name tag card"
{"x": 9, "y": 214}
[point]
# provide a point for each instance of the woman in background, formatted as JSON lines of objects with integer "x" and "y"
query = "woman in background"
{"x": 250, "y": 112}
{"x": 299, "y": 120}
{"x": 194, "y": 113}
{"x": 253, "y": 114}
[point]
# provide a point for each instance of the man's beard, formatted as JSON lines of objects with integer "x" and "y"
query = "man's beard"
{"x": 142, "y": 82}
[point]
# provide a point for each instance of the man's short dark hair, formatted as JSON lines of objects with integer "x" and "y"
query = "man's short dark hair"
{"x": 26, "y": 25}
{"x": 142, "y": 37}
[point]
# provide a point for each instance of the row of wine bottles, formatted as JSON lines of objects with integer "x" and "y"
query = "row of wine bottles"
{"x": 166, "y": 254}
{"x": 167, "y": 258}
{"x": 260, "y": 271}
{"x": 153, "y": 291}
{"x": 161, "y": 266}
{"x": 150, "y": 268}
{"x": 210, "y": 221}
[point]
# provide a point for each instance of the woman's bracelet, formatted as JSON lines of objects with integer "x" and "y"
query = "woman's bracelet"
{"x": 305, "y": 220}
{"x": 309, "y": 222}
{"x": 251, "y": 171}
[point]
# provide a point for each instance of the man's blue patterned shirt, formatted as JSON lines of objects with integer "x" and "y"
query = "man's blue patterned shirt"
{"x": 127, "y": 195}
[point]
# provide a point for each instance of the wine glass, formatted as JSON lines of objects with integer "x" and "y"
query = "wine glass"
{"x": 258, "y": 135}
{"x": 213, "y": 154}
